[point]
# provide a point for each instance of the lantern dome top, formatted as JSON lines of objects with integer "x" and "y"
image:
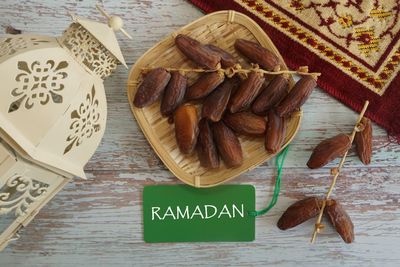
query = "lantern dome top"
{"x": 104, "y": 33}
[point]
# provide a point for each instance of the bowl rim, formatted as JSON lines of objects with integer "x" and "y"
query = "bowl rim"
{"x": 229, "y": 16}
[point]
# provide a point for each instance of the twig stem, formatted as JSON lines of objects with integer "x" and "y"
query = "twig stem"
{"x": 336, "y": 175}
{"x": 237, "y": 69}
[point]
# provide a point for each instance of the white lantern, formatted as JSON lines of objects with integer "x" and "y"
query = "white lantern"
{"x": 52, "y": 113}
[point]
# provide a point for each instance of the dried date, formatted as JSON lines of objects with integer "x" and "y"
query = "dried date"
{"x": 152, "y": 87}
{"x": 275, "y": 132}
{"x": 299, "y": 212}
{"x": 271, "y": 94}
{"x": 228, "y": 145}
{"x": 197, "y": 52}
{"x": 174, "y": 93}
{"x": 204, "y": 85}
{"x": 363, "y": 141}
{"x": 328, "y": 150}
{"x": 186, "y": 128}
{"x": 246, "y": 93}
{"x": 257, "y": 54}
{"x": 206, "y": 149}
{"x": 216, "y": 102}
{"x": 246, "y": 123}
{"x": 297, "y": 96}
{"x": 340, "y": 220}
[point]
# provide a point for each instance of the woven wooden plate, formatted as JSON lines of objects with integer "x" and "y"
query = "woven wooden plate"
{"x": 221, "y": 29}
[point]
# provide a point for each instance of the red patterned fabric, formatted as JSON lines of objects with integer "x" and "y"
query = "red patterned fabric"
{"x": 355, "y": 44}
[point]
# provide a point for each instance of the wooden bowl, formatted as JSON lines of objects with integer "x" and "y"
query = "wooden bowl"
{"x": 221, "y": 29}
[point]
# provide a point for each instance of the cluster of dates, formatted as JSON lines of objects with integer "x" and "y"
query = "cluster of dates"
{"x": 334, "y": 147}
{"x": 231, "y": 104}
{"x": 310, "y": 207}
{"x": 323, "y": 153}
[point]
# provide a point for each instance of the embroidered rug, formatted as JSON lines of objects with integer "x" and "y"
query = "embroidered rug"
{"x": 354, "y": 44}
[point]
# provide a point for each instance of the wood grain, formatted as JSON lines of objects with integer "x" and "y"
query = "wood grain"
{"x": 98, "y": 222}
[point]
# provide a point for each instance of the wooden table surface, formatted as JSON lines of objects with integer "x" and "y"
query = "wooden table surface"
{"x": 98, "y": 222}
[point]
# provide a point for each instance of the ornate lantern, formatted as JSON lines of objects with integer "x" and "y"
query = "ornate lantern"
{"x": 52, "y": 113}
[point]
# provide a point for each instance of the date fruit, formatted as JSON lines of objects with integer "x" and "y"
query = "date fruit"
{"x": 299, "y": 212}
{"x": 340, "y": 220}
{"x": 216, "y": 102}
{"x": 227, "y": 59}
{"x": 363, "y": 140}
{"x": 204, "y": 85}
{"x": 275, "y": 133}
{"x": 206, "y": 149}
{"x": 197, "y": 52}
{"x": 186, "y": 128}
{"x": 271, "y": 94}
{"x": 297, "y": 96}
{"x": 257, "y": 54}
{"x": 246, "y": 93}
{"x": 174, "y": 93}
{"x": 228, "y": 145}
{"x": 328, "y": 150}
{"x": 246, "y": 123}
{"x": 152, "y": 87}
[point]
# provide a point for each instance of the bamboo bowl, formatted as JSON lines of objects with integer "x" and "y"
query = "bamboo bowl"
{"x": 221, "y": 29}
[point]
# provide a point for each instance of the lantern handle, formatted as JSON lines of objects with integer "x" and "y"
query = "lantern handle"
{"x": 73, "y": 17}
{"x": 114, "y": 22}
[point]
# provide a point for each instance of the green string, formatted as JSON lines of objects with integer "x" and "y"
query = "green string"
{"x": 280, "y": 159}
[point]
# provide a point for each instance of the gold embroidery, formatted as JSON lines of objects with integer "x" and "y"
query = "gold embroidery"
{"x": 380, "y": 14}
{"x": 368, "y": 42}
{"x": 346, "y": 21}
{"x": 297, "y": 5}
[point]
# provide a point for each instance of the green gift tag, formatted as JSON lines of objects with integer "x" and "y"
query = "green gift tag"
{"x": 180, "y": 213}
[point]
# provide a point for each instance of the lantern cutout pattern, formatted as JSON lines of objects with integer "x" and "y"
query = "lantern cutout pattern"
{"x": 52, "y": 113}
